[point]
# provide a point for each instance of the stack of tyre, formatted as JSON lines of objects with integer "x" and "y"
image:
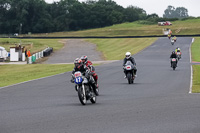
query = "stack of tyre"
{"x": 47, "y": 51}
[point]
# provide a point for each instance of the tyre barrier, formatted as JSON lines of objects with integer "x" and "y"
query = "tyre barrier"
{"x": 47, "y": 52}
{"x": 39, "y": 55}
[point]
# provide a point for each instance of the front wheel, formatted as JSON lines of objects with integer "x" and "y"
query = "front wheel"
{"x": 130, "y": 78}
{"x": 81, "y": 95}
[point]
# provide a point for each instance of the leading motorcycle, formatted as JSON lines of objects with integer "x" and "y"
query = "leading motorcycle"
{"x": 84, "y": 88}
{"x": 129, "y": 68}
{"x": 174, "y": 63}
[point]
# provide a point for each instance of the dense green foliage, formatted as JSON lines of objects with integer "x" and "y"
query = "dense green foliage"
{"x": 36, "y": 16}
{"x": 179, "y": 12}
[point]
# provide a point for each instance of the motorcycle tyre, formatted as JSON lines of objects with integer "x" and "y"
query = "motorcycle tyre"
{"x": 81, "y": 96}
{"x": 130, "y": 78}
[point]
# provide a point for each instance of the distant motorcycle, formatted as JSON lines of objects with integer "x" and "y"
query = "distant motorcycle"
{"x": 172, "y": 42}
{"x": 178, "y": 55}
{"x": 84, "y": 88}
{"x": 174, "y": 64}
{"x": 129, "y": 68}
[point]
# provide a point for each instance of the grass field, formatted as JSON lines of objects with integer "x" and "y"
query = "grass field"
{"x": 196, "y": 50}
{"x": 114, "y": 49}
{"x": 196, "y": 68}
{"x": 180, "y": 27}
{"x": 35, "y": 45}
{"x": 12, "y": 74}
{"x": 196, "y": 79}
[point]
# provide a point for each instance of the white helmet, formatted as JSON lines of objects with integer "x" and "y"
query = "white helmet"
{"x": 128, "y": 55}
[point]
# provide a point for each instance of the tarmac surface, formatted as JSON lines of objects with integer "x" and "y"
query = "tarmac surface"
{"x": 158, "y": 101}
{"x": 74, "y": 48}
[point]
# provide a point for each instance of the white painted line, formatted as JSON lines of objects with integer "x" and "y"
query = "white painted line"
{"x": 191, "y": 76}
{"x": 30, "y": 81}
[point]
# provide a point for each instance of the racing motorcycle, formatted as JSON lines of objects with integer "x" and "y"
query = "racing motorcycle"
{"x": 178, "y": 55}
{"x": 172, "y": 41}
{"x": 129, "y": 68}
{"x": 174, "y": 65}
{"x": 84, "y": 88}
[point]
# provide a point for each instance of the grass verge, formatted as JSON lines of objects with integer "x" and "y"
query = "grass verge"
{"x": 196, "y": 50}
{"x": 196, "y": 79}
{"x": 12, "y": 74}
{"x": 114, "y": 49}
{"x": 35, "y": 45}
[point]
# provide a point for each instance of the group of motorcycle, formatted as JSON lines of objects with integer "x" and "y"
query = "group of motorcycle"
{"x": 175, "y": 57}
{"x": 85, "y": 84}
{"x": 173, "y": 39}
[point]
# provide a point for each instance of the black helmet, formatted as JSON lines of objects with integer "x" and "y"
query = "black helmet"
{"x": 173, "y": 52}
{"x": 84, "y": 57}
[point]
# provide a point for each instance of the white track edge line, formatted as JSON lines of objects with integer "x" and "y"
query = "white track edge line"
{"x": 191, "y": 69}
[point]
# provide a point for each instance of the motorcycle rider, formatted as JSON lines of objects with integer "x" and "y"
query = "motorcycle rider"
{"x": 178, "y": 50}
{"x": 129, "y": 58}
{"x": 173, "y": 55}
{"x": 174, "y": 38}
{"x": 88, "y": 64}
{"x": 79, "y": 66}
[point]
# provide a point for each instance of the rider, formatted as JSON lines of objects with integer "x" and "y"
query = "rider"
{"x": 173, "y": 55}
{"x": 79, "y": 66}
{"x": 88, "y": 64}
{"x": 174, "y": 38}
{"x": 129, "y": 58}
{"x": 178, "y": 50}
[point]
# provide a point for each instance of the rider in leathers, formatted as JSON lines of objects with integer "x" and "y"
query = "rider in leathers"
{"x": 91, "y": 67}
{"x": 129, "y": 58}
{"x": 79, "y": 66}
{"x": 173, "y": 55}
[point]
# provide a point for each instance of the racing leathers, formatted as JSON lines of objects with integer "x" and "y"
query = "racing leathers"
{"x": 89, "y": 65}
{"x": 85, "y": 71}
{"x": 173, "y": 55}
{"x": 132, "y": 61}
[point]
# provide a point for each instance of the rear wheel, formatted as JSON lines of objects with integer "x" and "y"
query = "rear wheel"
{"x": 81, "y": 95}
{"x": 93, "y": 99}
{"x": 95, "y": 89}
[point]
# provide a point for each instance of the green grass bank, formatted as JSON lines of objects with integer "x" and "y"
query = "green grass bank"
{"x": 12, "y": 74}
{"x": 115, "y": 49}
{"x": 138, "y": 28}
{"x": 35, "y": 45}
{"x": 196, "y": 68}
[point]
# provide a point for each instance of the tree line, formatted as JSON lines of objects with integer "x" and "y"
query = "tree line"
{"x": 37, "y": 16}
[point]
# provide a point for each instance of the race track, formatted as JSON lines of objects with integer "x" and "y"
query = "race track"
{"x": 158, "y": 102}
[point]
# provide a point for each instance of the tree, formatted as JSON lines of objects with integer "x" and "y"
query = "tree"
{"x": 179, "y": 12}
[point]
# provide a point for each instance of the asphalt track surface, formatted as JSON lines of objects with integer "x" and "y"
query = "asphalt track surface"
{"x": 158, "y": 102}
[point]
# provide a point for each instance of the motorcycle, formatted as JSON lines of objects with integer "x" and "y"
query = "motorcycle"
{"x": 178, "y": 55}
{"x": 129, "y": 68}
{"x": 174, "y": 64}
{"x": 84, "y": 88}
{"x": 172, "y": 42}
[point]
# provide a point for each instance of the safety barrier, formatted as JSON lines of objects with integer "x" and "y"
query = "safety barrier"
{"x": 44, "y": 53}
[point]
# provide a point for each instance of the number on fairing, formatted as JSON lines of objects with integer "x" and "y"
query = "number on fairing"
{"x": 78, "y": 80}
